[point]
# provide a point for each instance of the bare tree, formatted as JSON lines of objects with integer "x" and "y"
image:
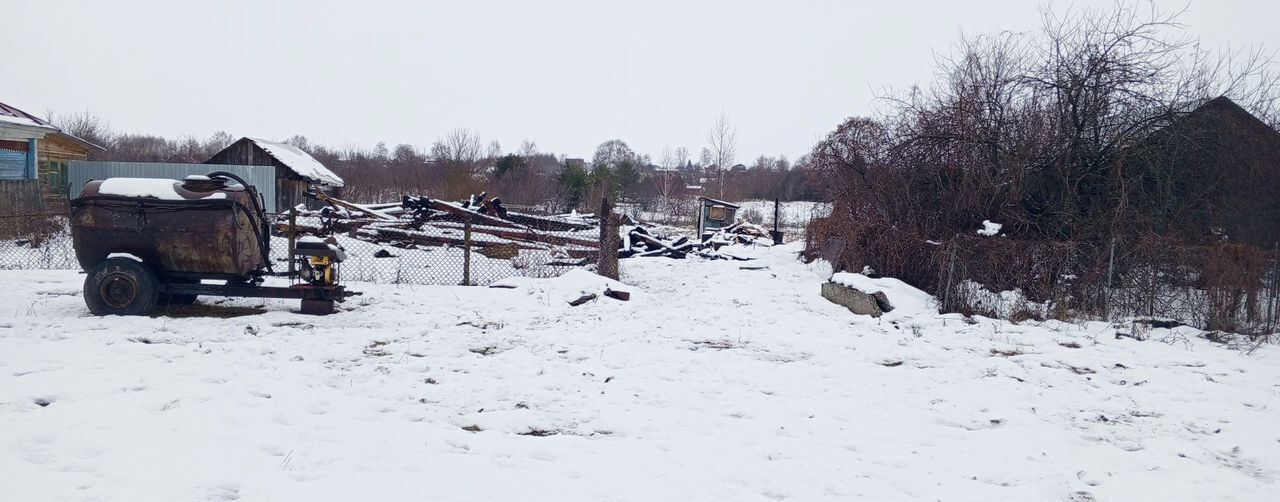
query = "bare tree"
{"x": 680, "y": 157}
{"x": 528, "y": 149}
{"x": 459, "y": 154}
{"x": 722, "y": 144}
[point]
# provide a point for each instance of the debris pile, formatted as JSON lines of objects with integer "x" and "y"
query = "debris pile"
{"x": 742, "y": 232}
{"x": 642, "y": 242}
{"x": 499, "y": 233}
{"x": 416, "y": 222}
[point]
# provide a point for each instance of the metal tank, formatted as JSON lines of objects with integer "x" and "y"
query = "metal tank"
{"x": 204, "y": 227}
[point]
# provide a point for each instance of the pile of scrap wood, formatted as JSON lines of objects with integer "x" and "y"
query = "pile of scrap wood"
{"x": 420, "y": 221}
{"x": 741, "y": 232}
{"x": 497, "y": 232}
{"x": 642, "y": 242}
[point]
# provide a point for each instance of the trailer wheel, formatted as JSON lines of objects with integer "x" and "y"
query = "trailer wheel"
{"x": 121, "y": 286}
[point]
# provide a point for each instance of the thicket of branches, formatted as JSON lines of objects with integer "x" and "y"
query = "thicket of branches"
{"x": 1078, "y": 139}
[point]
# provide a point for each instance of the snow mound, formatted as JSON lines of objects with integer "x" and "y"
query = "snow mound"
{"x": 904, "y": 297}
{"x": 989, "y": 228}
{"x": 566, "y": 288}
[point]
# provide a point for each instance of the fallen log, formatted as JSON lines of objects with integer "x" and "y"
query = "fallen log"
{"x": 582, "y": 299}
{"x": 357, "y": 207}
{"x": 484, "y": 219}
{"x": 524, "y": 235}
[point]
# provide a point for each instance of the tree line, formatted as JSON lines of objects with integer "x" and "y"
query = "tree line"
{"x": 461, "y": 163}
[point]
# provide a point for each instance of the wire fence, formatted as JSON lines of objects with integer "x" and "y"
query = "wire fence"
{"x": 43, "y": 242}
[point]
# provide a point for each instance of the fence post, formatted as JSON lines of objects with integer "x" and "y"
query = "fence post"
{"x": 466, "y": 251}
{"x": 951, "y": 270}
{"x": 777, "y": 209}
{"x": 1273, "y": 312}
{"x": 1111, "y": 269}
{"x": 607, "y": 258}
{"x": 293, "y": 238}
{"x": 777, "y": 215}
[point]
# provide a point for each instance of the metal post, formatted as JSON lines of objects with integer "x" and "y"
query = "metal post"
{"x": 292, "y": 232}
{"x": 777, "y": 215}
{"x": 777, "y": 204}
{"x": 466, "y": 251}
{"x": 1111, "y": 269}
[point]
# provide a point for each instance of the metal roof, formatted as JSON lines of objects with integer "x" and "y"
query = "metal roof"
{"x": 720, "y": 202}
{"x": 16, "y": 116}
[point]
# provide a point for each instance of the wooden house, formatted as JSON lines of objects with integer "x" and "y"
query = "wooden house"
{"x": 296, "y": 170}
{"x": 34, "y": 156}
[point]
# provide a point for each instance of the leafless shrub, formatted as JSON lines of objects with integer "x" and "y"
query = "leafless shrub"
{"x": 1123, "y": 187}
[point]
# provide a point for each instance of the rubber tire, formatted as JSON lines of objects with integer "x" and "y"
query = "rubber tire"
{"x": 179, "y": 299}
{"x": 136, "y": 292}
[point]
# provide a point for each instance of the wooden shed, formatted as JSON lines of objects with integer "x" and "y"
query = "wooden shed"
{"x": 714, "y": 214}
{"x": 296, "y": 170}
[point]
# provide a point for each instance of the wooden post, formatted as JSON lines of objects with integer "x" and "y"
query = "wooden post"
{"x": 607, "y": 259}
{"x": 33, "y": 149}
{"x": 466, "y": 251}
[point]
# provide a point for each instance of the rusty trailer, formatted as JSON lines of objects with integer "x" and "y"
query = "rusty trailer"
{"x": 150, "y": 242}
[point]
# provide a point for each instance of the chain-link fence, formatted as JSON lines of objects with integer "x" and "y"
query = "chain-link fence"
{"x": 36, "y": 241}
{"x": 43, "y": 241}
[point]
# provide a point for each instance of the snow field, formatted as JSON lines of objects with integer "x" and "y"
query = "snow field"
{"x": 712, "y": 383}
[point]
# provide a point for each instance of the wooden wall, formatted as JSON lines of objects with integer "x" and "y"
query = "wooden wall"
{"x": 58, "y": 147}
{"x": 21, "y": 197}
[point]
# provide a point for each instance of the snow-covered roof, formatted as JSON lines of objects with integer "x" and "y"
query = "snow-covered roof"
{"x": 25, "y": 122}
{"x": 13, "y": 115}
{"x": 298, "y": 161}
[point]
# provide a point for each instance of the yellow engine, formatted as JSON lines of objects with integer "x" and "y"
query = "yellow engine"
{"x": 318, "y": 260}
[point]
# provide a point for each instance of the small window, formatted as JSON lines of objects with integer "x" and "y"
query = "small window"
{"x": 56, "y": 175}
{"x": 716, "y": 213}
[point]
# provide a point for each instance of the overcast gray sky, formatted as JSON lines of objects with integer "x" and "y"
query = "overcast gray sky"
{"x": 567, "y": 75}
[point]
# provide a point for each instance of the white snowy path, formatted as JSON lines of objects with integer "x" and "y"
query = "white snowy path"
{"x": 713, "y": 383}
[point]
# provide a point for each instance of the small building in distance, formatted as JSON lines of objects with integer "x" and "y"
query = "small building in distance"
{"x": 34, "y": 155}
{"x": 296, "y": 170}
{"x": 714, "y": 215}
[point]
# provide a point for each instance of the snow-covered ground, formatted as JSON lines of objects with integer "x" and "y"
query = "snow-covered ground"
{"x": 713, "y": 382}
{"x": 794, "y": 214}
